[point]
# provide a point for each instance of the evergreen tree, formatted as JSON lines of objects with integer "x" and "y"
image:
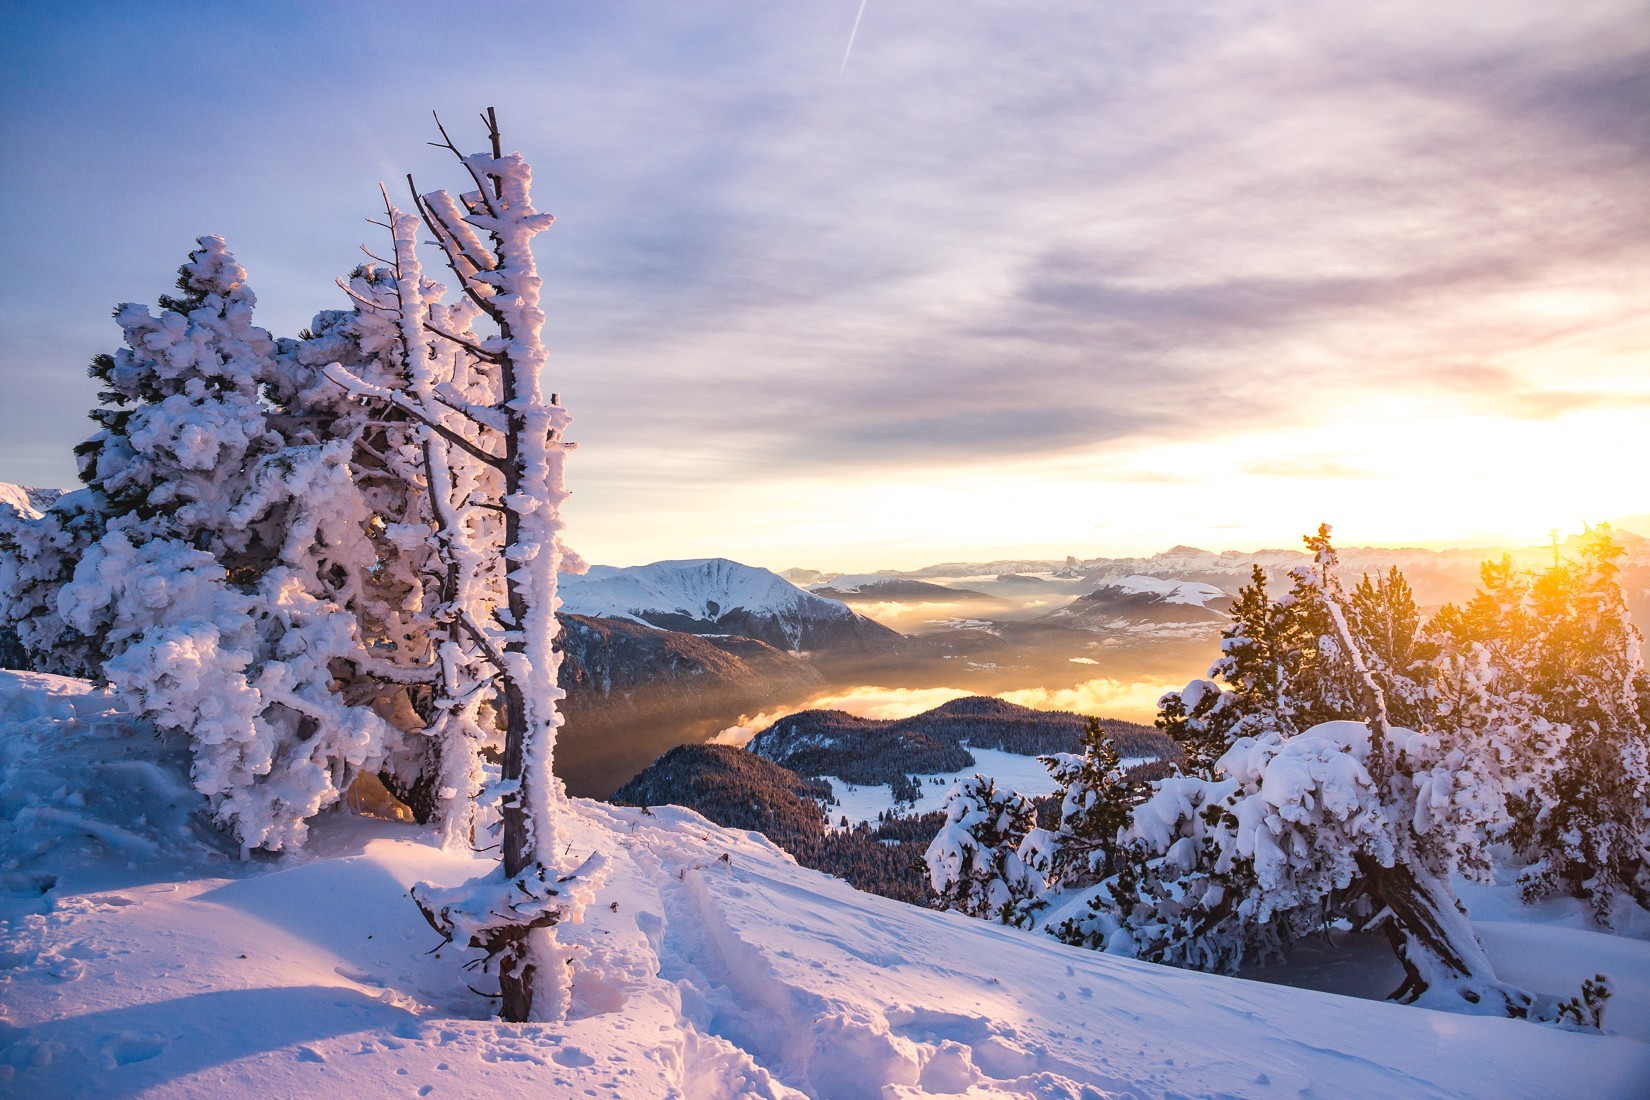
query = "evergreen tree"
{"x": 1591, "y": 834}
{"x": 37, "y": 558}
{"x": 486, "y": 238}
{"x": 218, "y": 588}
{"x": 1097, "y": 799}
{"x": 984, "y": 860}
{"x": 1363, "y": 820}
{"x": 1399, "y": 653}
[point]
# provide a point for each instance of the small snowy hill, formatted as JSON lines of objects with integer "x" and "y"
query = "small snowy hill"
{"x": 874, "y": 751}
{"x": 138, "y": 961}
{"x": 718, "y": 596}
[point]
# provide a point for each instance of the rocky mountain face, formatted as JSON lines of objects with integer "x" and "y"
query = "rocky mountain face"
{"x": 716, "y": 596}
{"x": 623, "y": 663}
{"x": 867, "y": 751}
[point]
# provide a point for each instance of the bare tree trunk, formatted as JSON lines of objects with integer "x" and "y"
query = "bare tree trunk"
{"x": 1435, "y": 942}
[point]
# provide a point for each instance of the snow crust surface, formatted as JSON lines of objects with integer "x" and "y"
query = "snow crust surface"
{"x": 710, "y": 966}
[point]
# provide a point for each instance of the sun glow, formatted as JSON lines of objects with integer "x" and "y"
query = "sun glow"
{"x": 1399, "y": 473}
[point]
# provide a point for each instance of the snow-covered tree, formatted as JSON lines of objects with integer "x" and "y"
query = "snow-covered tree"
{"x": 434, "y": 530}
{"x": 37, "y": 558}
{"x": 1362, "y": 821}
{"x": 988, "y": 859}
{"x": 1097, "y": 799}
{"x": 219, "y": 589}
{"x": 486, "y": 236}
{"x": 1548, "y": 667}
{"x": 1397, "y": 650}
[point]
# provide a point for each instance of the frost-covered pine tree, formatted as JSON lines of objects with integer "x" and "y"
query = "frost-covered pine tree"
{"x": 1097, "y": 799}
{"x": 1590, "y": 834}
{"x": 1399, "y": 653}
{"x": 218, "y": 589}
{"x": 38, "y": 556}
{"x": 486, "y": 239}
{"x": 1286, "y": 665}
{"x": 436, "y": 577}
{"x": 1362, "y": 821}
{"x": 989, "y": 858}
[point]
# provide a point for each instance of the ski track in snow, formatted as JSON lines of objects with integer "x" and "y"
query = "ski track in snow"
{"x": 711, "y": 966}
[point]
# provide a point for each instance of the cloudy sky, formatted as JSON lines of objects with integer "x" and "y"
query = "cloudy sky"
{"x": 1017, "y": 279}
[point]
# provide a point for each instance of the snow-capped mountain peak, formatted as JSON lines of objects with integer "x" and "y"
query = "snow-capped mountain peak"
{"x": 1168, "y": 590}
{"x": 30, "y": 501}
{"x": 715, "y": 595}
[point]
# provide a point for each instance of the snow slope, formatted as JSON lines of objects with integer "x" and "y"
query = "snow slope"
{"x": 712, "y": 966}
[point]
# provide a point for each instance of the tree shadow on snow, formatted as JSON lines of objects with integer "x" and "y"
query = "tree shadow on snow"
{"x": 128, "y": 1050}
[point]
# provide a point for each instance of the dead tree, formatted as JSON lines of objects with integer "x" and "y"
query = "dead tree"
{"x": 485, "y": 236}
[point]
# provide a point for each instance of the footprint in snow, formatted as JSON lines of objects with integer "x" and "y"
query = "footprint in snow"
{"x": 572, "y": 1057}
{"x": 126, "y": 1047}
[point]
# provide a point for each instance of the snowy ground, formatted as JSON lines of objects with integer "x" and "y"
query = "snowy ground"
{"x": 1011, "y": 771}
{"x": 137, "y": 960}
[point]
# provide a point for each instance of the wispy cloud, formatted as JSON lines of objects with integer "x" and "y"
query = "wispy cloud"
{"x": 1001, "y": 233}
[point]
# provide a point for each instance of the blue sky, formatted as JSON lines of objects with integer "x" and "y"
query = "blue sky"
{"x": 1021, "y": 279}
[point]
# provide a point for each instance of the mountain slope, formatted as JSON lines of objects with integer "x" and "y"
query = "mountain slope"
{"x": 711, "y": 966}
{"x": 1136, "y": 602}
{"x": 32, "y": 502}
{"x": 733, "y": 788}
{"x": 634, "y": 691}
{"x": 718, "y": 596}
{"x": 879, "y": 589}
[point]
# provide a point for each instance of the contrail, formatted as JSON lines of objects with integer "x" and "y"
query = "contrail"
{"x": 851, "y": 35}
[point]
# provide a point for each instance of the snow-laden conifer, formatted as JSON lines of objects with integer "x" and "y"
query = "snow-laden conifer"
{"x": 486, "y": 239}
{"x": 1552, "y": 673}
{"x": 38, "y": 556}
{"x": 228, "y": 559}
{"x": 1361, "y": 822}
{"x": 988, "y": 859}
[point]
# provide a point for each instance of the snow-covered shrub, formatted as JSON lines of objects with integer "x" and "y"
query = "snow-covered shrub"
{"x": 219, "y": 591}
